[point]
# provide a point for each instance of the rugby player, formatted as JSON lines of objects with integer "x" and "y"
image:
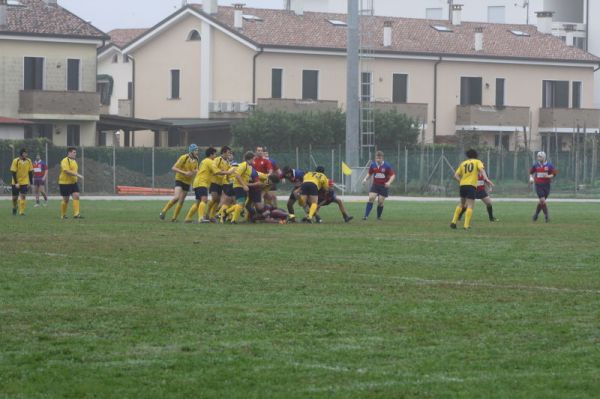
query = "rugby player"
{"x": 482, "y": 195}
{"x": 21, "y": 169}
{"x": 383, "y": 176}
{"x": 185, "y": 169}
{"x": 309, "y": 190}
{"x": 541, "y": 175}
{"x": 67, "y": 183}
{"x": 466, "y": 175}
{"x": 40, "y": 174}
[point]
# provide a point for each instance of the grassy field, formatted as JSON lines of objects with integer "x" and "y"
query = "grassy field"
{"x": 122, "y": 305}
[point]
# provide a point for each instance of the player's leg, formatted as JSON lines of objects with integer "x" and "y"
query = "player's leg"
{"x": 189, "y": 217}
{"x": 64, "y": 205}
{"x": 380, "y": 203}
{"x": 179, "y": 203}
{"x": 76, "y": 207}
{"x": 469, "y": 213}
{"x": 15, "y": 199}
{"x": 240, "y": 199}
{"x": 172, "y": 201}
{"x": 313, "y": 200}
{"x": 369, "y": 206}
{"x": 490, "y": 209}
{"x": 22, "y": 199}
{"x": 340, "y": 204}
{"x": 36, "y": 191}
{"x": 42, "y": 189}
{"x": 290, "y": 205}
{"x": 458, "y": 211}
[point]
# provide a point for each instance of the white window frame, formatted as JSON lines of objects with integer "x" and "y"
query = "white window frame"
{"x": 282, "y": 80}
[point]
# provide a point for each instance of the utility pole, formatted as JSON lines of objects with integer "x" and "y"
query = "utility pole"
{"x": 352, "y": 82}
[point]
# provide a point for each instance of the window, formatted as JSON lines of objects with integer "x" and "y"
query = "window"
{"x": 175, "y": 82}
{"x": 194, "y": 36}
{"x": 337, "y": 22}
{"x": 33, "y": 76}
{"x": 250, "y": 17}
{"x": 276, "y": 83}
{"x": 365, "y": 86}
{"x": 502, "y": 141}
{"x": 551, "y": 143}
{"x": 310, "y": 85}
{"x": 73, "y": 75}
{"x": 104, "y": 89}
{"x": 496, "y": 14}
{"x": 499, "y": 92}
{"x": 126, "y": 59}
{"x": 101, "y": 139}
{"x": 519, "y": 33}
{"x": 580, "y": 43}
{"x": 441, "y": 28}
{"x": 470, "y": 91}
{"x": 156, "y": 139}
{"x": 576, "y": 103}
{"x": 130, "y": 90}
{"x": 555, "y": 94}
{"x": 35, "y": 131}
{"x": 115, "y": 59}
{"x": 73, "y": 133}
{"x": 400, "y": 88}
{"x": 434, "y": 13}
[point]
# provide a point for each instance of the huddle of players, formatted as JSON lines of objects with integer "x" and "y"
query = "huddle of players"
{"x": 225, "y": 191}
{"x": 26, "y": 173}
{"x": 473, "y": 181}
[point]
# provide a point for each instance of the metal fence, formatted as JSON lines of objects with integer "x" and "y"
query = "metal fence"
{"x": 425, "y": 170}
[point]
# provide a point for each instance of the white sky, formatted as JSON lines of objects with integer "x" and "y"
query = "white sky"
{"x": 110, "y": 14}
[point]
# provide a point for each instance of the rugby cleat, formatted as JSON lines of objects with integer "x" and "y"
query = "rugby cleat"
{"x": 534, "y": 218}
{"x": 14, "y": 211}
{"x": 78, "y": 217}
{"x": 494, "y": 220}
{"x": 348, "y": 218}
{"x": 453, "y": 225}
{"x": 161, "y": 216}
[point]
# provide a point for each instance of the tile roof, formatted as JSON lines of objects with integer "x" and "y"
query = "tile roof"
{"x": 121, "y": 37}
{"x": 35, "y": 17}
{"x": 281, "y": 28}
{"x": 13, "y": 121}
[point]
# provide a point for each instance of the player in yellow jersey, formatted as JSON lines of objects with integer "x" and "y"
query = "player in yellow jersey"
{"x": 240, "y": 185}
{"x": 185, "y": 169}
{"x": 227, "y": 201}
{"x": 216, "y": 186}
{"x": 67, "y": 183}
{"x": 22, "y": 176}
{"x": 309, "y": 190}
{"x": 467, "y": 175}
{"x": 206, "y": 172}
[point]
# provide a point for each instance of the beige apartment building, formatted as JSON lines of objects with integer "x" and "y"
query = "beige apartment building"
{"x": 499, "y": 84}
{"x": 48, "y": 73}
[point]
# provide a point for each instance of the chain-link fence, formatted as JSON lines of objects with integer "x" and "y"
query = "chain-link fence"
{"x": 424, "y": 170}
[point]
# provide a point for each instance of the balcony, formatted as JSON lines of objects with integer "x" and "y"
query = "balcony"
{"x": 125, "y": 108}
{"x": 59, "y": 105}
{"x": 415, "y": 111}
{"x": 568, "y": 120}
{"x": 295, "y": 106}
{"x": 491, "y": 118}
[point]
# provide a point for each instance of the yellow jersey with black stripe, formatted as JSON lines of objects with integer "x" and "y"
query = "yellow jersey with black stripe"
{"x": 264, "y": 179}
{"x": 321, "y": 181}
{"x": 468, "y": 171}
{"x": 223, "y": 166}
{"x": 22, "y": 167}
{"x": 70, "y": 165}
{"x": 186, "y": 163}
{"x": 205, "y": 173}
{"x": 244, "y": 170}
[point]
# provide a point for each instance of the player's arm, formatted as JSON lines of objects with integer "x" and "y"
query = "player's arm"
{"x": 13, "y": 172}
{"x": 368, "y": 176}
{"x": 45, "y": 173}
{"x": 486, "y": 178}
{"x": 65, "y": 168}
{"x": 458, "y": 174}
{"x": 391, "y": 180}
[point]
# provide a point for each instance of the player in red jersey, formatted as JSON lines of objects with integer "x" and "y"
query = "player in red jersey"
{"x": 542, "y": 174}
{"x": 383, "y": 177}
{"x": 40, "y": 174}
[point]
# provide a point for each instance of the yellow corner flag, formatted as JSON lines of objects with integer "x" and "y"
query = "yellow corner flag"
{"x": 346, "y": 169}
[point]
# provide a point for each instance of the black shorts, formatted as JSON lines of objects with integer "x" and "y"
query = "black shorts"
{"x": 216, "y": 188}
{"x": 468, "y": 192}
{"x": 66, "y": 190}
{"x": 542, "y": 190}
{"x": 309, "y": 188}
{"x": 481, "y": 194}
{"x": 228, "y": 190}
{"x": 256, "y": 195}
{"x": 184, "y": 186}
{"x": 240, "y": 194}
{"x": 200, "y": 192}
{"x": 23, "y": 188}
{"x": 380, "y": 190}
{"x": 38, "y": 181}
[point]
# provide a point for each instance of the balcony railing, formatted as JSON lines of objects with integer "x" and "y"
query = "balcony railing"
{"x": 415, "y": 111}
{"x": 569, "y": 118}
{"x": 59, "y": 104}
{"x": 295, "y": 106}
{"x": 484, "y": 117}
{"x": 125, "y": 108}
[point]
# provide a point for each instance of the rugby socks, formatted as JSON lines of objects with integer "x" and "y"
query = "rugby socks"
{"x": 462, "y": 213}
{"x": 45, "y": 197}
{"x": 169, "y": 206}
{"x": 177, "y": 211}
{"x": 15, "y": 204}
{"x": 237, "y": 211}
{"x": 212, "y": 212}
{"x": 368, "y": 209}
{"x": 22, "y": 205}
{"x": 201, "y": 210}
{"x": 63, "y": 208}
{"x": 490, "y": 212}
{"x": 75, "y": 207}
{"x": 313, "y": 210}
{"x": 545, "y": 210}
{"x": 538, "y": 210}
{"x": 457, "y": 213}
{"x": 468, "y": 216}
{"x": 301, "y": 202}
{"x": 379, "y": 211}
{"x": 191, "y": 212}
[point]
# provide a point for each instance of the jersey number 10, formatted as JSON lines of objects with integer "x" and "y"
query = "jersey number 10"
{"x": 469, "y": 167}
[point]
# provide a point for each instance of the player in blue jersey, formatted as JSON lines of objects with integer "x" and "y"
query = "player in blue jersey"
{"x": 542, "y": 174}
{"x": 383, "y": 176}
{"x": 296, "y": 177}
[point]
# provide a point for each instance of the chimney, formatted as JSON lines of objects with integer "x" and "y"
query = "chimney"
{"x": 544, "y": 21}
{"x": 238, "y": 16}
{"x": 570, "y": 36}
{"x": 387, "y": 34}
{"x": 456, "y": 14}
{"x": 210, "y": 6}
{"x": 297, "y": 6}
{"x": 3, "y": 18}
{"x": 478, "y": 38}
{"x": 183, "y": 3}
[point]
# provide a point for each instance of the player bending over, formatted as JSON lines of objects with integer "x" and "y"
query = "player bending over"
{"x": 309, "y": 190}
{"x": 296, "y": 177}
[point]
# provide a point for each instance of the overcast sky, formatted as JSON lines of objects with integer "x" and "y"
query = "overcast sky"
{"x": 110, "y": 14}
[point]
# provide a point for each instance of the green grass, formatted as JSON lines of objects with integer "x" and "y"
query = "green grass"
{"x": 123, "y": 305}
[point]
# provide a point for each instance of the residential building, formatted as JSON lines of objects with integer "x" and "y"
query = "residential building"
{"x": 500, "y": 83}
{"x": 48, "y": 72}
